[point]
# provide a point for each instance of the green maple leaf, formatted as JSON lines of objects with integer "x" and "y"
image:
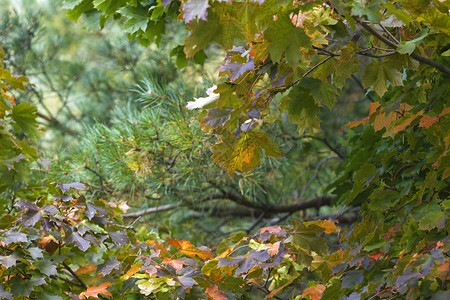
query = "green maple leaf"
{"x": 76, "y": 8}
{"x": 306, "y": 237}
{"x": 321, "y": 91}
{"x": 202, "y": 34}
{"x": 137, "y": 18}
{"x": 284, "y": 37}
{"x": 110, "y": 7}
{"x": 432, "y": 220}
{"x": 377, "y": 75}
{"x": 408, "y": 47}
{"x": 24, "y": 114}
{"x": 303, "y": 109}
{"x": 223, "y": 151}
{"x": 230, "y": 29}
{"x": 372, "y": 11}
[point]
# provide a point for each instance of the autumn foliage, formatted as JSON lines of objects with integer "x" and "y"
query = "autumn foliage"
{"x": 283, "y": 60}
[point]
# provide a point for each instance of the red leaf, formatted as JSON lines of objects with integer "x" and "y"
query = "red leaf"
{"x": 177, "y": 264}
{"x": 93, "y": 291}
{"x": 377, "y": 255}
{"x": 271, "y": 229}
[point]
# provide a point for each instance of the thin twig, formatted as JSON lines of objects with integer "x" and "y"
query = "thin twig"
{"x": 74, "y": 275}
{"x": 314, "y": 67}
{"x": 389, "y": 34}
{"x": 69, "y": 281}
{"x": 432, "y": 63}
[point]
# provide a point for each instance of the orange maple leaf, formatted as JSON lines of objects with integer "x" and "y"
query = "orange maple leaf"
{"x": 86, "y": 270}
{"x": 132, "y": 270}
{"x": 328, "y": 225}
{"x": 93, "y": 291}
{"x": 314, "y": 292}
{"x": 377, "y": 255}
{"x": 372, "y": 109}
{"x": 187, "y": 248}
{"x": 274, "y": 248}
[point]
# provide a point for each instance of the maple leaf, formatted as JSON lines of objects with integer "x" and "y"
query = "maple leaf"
{"x": 217, "y": 117}
{"x": 79, "y": 241}
{"x": 306, "y": 237}
{"x": 284, "y": 37}
{"x": 177, "y": 264}
{"x": 47, "y": 267}
{"x": 195, "y": 9}
{"x": 86, "y": 270}
{"x": 328, "y": 225}
{"x": 201, "y": 35}
{"x": 251, "y": 260}
{"x": 314, "y": 292}
{"x": 49, "y": 243}
{"x": 273, "y": 249}
{"x": 108, "y": 266}
{"x": 214, "y": 293}
{"x": 137, "y": 18}
{"x": 302, "y": 108}
{"x": 93, "y": 291}
{"x": 236, "y": 69}
{"x": 377, "y": 75}
{"x": 201, "y": 102}
{"x": 12, "y": 236}
{"x": 67, "y": 186}
{"x": 247, "y": 152}
{"x": 136, "y": 267}
{"x": 230, "y": 29}
{"x": 271, "y": 229}
{"x": 428, "y": 121}
{"x": 9, "y": 261}
{"x": 372, "y": 109}
{"x": 187, "y": 248}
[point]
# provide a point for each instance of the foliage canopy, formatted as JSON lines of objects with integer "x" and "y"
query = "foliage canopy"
{"x": 284, "y": 60}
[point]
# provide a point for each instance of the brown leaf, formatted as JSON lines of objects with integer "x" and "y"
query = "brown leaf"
{"x": 214, "y": 293}
{"x": 49, "y": 243}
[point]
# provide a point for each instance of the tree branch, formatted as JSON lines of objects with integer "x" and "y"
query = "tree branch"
{"x": 74, "y": 275}
{"x": 249, "y": 208}
{"x": 417, "y": 57}
{"x": 150, "y": 210}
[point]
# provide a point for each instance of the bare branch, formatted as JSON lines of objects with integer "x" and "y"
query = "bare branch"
{"x": 438, "y": 66}
{"x": 150, "y": 210}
